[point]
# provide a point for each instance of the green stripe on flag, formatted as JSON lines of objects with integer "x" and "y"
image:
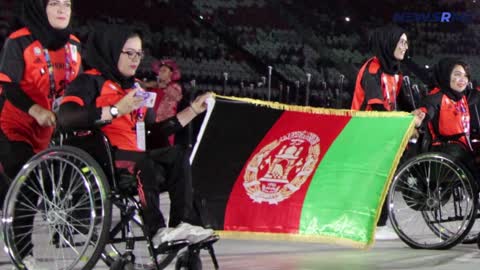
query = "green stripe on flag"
{"x": 343, "y": 199}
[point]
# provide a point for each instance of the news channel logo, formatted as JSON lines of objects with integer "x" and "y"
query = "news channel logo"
{"x": 435, "y": 17}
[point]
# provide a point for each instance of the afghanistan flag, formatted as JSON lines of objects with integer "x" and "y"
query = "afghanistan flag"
{"x": 274, "y": 171}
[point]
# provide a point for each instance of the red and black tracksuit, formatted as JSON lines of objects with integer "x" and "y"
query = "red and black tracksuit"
{"x": 448, "y": 120}
{"x": 24, "y": 72}
{"x": 376, "y": 90}
{"x": 26, "y": 80}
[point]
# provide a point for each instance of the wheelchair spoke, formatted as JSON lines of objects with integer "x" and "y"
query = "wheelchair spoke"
{"x": 406, "y": 187}
{"x": 27, "y": 203}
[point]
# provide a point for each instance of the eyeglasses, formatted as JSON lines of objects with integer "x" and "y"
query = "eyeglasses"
{"x": 132, "y": 54}
{"x": 55, "y": 4}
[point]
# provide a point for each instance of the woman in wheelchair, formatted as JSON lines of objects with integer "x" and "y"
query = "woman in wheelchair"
{"x": 447, "y": 111}
{"x": 433, "y": 197}
{"x": 108, "y": 93}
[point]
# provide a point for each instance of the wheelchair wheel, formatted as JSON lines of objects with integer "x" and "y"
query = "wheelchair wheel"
{"x": 188, "y": 261}
{"x": 57, "y": 212}
{"x": 472, "y": 237}
{"x": 432, "y": 202}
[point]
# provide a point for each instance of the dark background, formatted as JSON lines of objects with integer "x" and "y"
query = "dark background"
{"x": 209, "y": 38}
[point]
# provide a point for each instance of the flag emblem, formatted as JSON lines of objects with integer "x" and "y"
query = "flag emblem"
{"x": 281, "y": 167}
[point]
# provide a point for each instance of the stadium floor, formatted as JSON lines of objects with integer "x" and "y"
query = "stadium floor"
{"x": 273, "y": 255}
{"x": 280, "y": 255}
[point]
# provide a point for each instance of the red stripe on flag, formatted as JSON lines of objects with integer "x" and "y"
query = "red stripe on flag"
{"x": 269, "y": 192}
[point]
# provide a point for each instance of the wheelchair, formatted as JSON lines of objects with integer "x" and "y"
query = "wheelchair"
{"x": 69, "y": 207}
{"x": 433, "y": 201}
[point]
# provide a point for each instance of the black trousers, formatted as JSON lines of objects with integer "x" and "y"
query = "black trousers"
{"x": 13, "y": 155}
{"x": 160, "y": 170}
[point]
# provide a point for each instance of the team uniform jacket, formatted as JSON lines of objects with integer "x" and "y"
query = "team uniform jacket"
{"x": 449, "y": 119}
{"x": 91, "y": 89}
{"x": 376, "y": 87}
{"x": 23, "y": 62}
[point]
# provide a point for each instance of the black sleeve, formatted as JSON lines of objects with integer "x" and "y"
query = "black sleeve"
{"x": 150, "y": 116}
{"x": 12, "y": 67}
{"x": 431, "y": 105}
{"x": 474, "y": 105}
{"x": 165, "y": 128}
{"x": 372, "y": 86}
{"x": 17, "y": 96}
{"x": 12, "y": 63}
{"x": 73, "y": 115}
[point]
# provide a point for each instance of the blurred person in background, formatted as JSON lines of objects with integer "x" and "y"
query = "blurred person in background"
{"x": 168, "y": 90}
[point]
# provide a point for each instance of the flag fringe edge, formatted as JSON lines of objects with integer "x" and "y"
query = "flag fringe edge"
{"x": 293, "y": 237}
{"x": 309, "y": 109}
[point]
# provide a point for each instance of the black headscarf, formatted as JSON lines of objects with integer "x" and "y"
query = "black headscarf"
{"x": 103, "y": 51}
{"x": 442, "y": 73}
{"x": 383, "y": 42}
{"x": 34, "y": 16}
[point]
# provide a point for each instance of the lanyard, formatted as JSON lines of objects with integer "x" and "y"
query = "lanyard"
{"x": 138, "y": 115}
{"x": 465, "y": 119}
{"x": 391, "y": 99}
{"x": 461, "y": 108}
{"x": 68, "y": 70}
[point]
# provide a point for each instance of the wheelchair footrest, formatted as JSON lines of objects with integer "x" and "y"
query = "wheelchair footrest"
{"x": 204, "y": 244}
{"x": 171, "y": 246}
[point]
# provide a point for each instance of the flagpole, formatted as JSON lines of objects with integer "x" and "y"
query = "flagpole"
{"x": 210, "y": 104}
{"x": 225, "y": 81}
{"x": 193, "y": 91}
{"x": 297, "y": 93}
{"x": 269, "y": 83}
{"x": 307, "y": 98}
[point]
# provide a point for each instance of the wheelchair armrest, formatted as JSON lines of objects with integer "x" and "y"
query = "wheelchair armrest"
{"x": 101, "y": 123}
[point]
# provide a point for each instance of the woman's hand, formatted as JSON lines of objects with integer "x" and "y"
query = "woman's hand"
{"x": 199, "y": 105}
{"x": 129, "y": 103}
{"x": 418, "y": 116}
{"x": 44, "y": 117}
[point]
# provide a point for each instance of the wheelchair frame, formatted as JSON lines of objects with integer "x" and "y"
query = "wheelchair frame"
{"x": 47, "y": 167}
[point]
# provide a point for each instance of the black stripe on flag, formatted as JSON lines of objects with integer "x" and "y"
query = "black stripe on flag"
{"x": 232, "y": 133}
